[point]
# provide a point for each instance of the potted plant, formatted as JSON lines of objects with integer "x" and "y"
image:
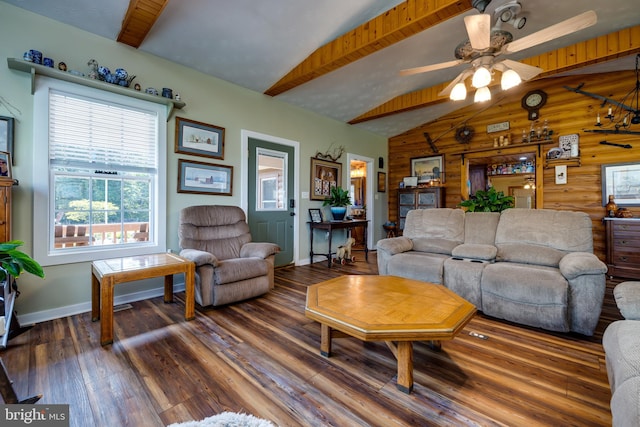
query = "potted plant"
{"x": 488, "y": 201}
{"x": 13, "y": 262}
{"x": 338, "y": 200}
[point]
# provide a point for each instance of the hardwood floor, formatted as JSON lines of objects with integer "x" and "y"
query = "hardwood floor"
{"x": 262, "y": 357}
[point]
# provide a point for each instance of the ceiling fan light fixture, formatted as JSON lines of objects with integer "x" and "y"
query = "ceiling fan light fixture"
{"x": 481, "y": 77}
{"x": 483, "y": 94}
{"x": 510, "y": 78}
{"x": 459, "y": 92}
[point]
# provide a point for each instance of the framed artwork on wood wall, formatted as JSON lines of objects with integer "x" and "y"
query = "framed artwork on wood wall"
{"x": 428, "y": 169}
{"x": 622, "y": 181}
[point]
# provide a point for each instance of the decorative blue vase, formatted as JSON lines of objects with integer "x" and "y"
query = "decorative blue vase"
{"x": 338, "y": 212}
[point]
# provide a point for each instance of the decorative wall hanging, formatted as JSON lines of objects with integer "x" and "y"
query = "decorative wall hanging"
{"x": 324, "y": 176}
{"x": 199, "y": 139}
{"x": 464, "y": 134}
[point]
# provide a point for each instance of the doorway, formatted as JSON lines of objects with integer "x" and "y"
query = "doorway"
{"x": 268, "y": 192}
{"x": 361, "y": 184}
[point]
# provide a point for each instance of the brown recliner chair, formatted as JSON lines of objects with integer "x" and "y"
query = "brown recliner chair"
{"x": 229, "y": 267}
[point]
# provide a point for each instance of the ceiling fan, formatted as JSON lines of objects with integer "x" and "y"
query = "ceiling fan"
{"x": 485, "y": 45}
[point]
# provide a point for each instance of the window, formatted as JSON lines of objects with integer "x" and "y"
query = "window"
{"x": 271, "y": 170}
{"x": 104, "y": 193}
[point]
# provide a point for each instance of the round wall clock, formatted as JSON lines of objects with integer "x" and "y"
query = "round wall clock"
{"x": 533, "y": 101}
{"x": 464, "y": 134}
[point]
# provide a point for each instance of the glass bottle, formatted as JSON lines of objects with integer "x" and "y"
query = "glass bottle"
{"x": 545, "y": 130}
{"x": 611, "y": 207}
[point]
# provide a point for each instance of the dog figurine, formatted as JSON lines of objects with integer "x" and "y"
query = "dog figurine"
{"x": 343, "y": 253}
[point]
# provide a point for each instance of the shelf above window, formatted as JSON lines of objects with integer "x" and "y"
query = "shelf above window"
{"x": 34, "y": 69}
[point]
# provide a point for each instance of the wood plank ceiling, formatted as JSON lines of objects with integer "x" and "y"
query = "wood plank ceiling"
{"x": 393, "y": 26}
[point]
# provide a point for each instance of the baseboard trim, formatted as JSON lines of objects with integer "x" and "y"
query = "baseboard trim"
{"x": 85, "y": 307}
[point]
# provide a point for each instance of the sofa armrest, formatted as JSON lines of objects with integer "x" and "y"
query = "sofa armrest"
{"x": 627, "y": 295}
{"x": 258, "y": 250}
{"x": 395, "y": 245}
{"x": 575, "y": 264}
{"x": 199, "y": 257}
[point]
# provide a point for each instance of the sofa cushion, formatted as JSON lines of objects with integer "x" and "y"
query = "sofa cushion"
{"x": 480, "y": 227}
{"x": 621, "y": 342}
{"x": 562, "y": 230}
{"x": 422, "y": 266}
{"x": 627, "y": 295}
{"x": 532, "y": 295}
{"x": 529, "y": 254}
{"x": 475, "y": 251}
{"x": 441, "y": 223}
{"x": 438, "y": 246}
{"x": 233, "y": 270}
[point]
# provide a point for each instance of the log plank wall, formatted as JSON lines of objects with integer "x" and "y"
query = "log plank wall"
{"x": 566, "y": 112}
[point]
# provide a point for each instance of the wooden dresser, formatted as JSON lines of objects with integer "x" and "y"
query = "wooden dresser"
{"x": 418, "y": 198}
{"x": 623, "y": 247}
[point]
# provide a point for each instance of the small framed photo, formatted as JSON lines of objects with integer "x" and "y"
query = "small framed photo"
{"x": 428, "y": 169}
{"x": 199, "y": 139}
{"x": 5, "y": 165}
{"x": 382, "y": 182}
{"x": 6, "y": 134}
{"x": 204, "y": 178}
{"x": 622, "y": 181}
{"x": 315, "y": 215}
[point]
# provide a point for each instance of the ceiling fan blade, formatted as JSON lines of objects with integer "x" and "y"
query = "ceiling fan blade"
{"x": 479, "y": 30}
{"x": 433, "y": 67}
{"x": 571, "y": 25}
{"x": 461, "y": 77}
{"x": 525, "y": 71}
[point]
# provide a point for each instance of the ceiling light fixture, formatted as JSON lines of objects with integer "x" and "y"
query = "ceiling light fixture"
{"x": 510, "y": 79}
{"x": 481, "y": 77}
{"x": 459, "y": 92}
{"x": 483, "y": 94}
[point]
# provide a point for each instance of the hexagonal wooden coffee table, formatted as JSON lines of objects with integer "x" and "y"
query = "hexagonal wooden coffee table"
{"x": 392, "y": 309}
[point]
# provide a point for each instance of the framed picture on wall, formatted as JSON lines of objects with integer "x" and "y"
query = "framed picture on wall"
{"x": 428, "y": 169}
{"x": 622, "y": 181}
{"x": 6, "y": 135}
{"x": 5, "y": 165}
{"x": 204, "y": 178}
{"x": 382, "y": 182}
{"x": 324, "y": 176}
{"x": 199, "y": 139}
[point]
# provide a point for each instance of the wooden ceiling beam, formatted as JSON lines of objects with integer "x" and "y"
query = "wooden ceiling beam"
{"x": 397, "y": 24}
{"x": 137, "y": 22}
{"x": 600, "y": 49}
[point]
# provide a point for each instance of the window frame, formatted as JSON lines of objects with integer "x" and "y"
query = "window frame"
{"x": 43, "y": 216}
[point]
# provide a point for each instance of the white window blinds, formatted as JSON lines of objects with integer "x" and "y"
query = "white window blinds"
{"x": 88, "y": 134}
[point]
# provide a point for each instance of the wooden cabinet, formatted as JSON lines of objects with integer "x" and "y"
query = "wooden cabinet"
{"x": 5, "y": 209}
{"x": 623, "y": 247}
{"x": 418, "y": 198}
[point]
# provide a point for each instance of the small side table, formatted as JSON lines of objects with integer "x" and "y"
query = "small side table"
{"x": 106, "y": 274}
{"x": 390, "y": 229}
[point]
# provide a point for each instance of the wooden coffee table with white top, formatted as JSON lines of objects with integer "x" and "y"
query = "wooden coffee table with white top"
{"x": 110, "y": 272}
{"x": 392, "y": 309}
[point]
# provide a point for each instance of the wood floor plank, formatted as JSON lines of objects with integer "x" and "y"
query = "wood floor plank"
{"x": 262, "y": 356}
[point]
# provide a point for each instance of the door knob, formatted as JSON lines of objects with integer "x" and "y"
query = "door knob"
{"x": 292, "y": 214}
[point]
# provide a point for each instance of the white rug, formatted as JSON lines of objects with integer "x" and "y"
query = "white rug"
{"x": 227, "y": 419}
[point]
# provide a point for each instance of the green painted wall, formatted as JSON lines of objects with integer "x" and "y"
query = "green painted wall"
{"x": 67, "y": 287}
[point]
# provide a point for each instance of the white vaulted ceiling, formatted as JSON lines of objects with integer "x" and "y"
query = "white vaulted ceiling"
{"x": 256, "y": 43}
